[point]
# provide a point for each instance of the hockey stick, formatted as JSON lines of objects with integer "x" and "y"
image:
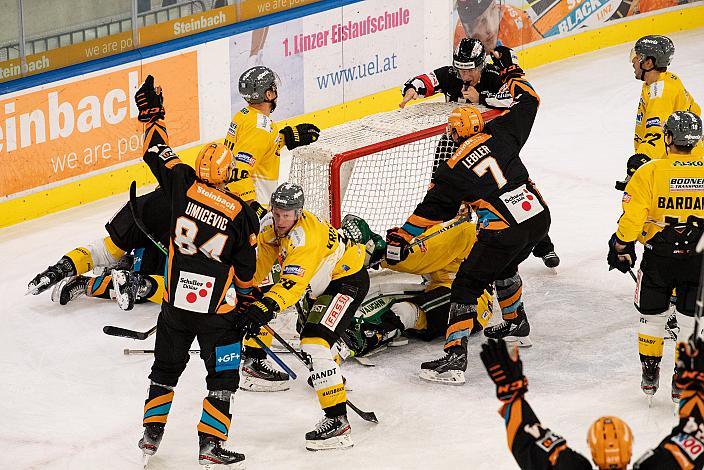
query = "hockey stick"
{"x": 272, "y": 354}
{"x": 125, "y": 333}
{"x": 421, "y": 241}
{"x": 365, "y": 415}
{"x": 132, "y": 352}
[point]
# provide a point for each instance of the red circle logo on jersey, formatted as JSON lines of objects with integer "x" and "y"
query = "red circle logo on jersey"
{"x": 208, "y": 284}
{"x": 525, "y": 205}
{"x": 191, "y": 297}
{"x": 203, "y": 292}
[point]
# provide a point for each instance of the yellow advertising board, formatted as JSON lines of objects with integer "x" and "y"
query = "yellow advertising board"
{"x": 88, "y": 125}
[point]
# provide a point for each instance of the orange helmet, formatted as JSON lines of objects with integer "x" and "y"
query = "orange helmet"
{"x": 466, "y": 120}
{"x": 611, "y": 442}
{"x": 214, "y": 164}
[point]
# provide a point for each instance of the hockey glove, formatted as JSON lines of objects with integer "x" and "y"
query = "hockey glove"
{"x": 504, "y": 371}
{"x": 258, "y": 209}
{"x": 257, "y": 315}
{"x": 690, "y": 364}
{"x": 245, "y": 299}
{"x": 507, "y": 61}
{"x": 150, "y": 101}
{"x": 397, "y": 245}
{"x": 302, "y": 134}
{"x": 636, "y": 161}
{"x": 622, "y": 255}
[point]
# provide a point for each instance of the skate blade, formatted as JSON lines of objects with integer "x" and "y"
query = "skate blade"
{"x": 399, "y": 341}
{"x": 553, "y": 271}
{"x": 145, "y": 459}
{"x": 520, "y": 341}
{"x": 364, "y": 361}
{"x": 450, "y": 377}
{"x": 650, "y": 400}
{"x": 221, "y": 466}
{"x": 339, "y": 442}
{"x": 254, "y": 384}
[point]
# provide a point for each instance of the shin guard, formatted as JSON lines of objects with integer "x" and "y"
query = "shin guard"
{"x": 326, "y": 377}
{"x": 509, "y": 292}
{"x": 158, "y": 404}
{"x": 651, "y": 335}
{"x": 215, "y": 419}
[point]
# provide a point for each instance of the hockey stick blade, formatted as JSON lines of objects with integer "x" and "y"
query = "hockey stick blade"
{"x": 125, "y": 333}
{"x": 132, "y": 352}
{"x": 365, "y": 415}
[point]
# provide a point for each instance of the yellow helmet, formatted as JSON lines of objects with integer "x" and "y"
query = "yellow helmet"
{"x": 611, "y": 442}
{"x": 214, "y": 164}
{"x": 466, "y": 120}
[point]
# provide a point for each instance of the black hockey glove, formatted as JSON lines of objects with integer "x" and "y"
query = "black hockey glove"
{"x": 150, "y": 102}
{"x": 302, "y": 134}
{"x": 504, "y": 371}
{"x": 636, "y": 161}
{"x": 258, "y": 209}
{"x": 397, "y": 241}
{"x": 507, "y": 61}
{"x": 622, "y": 255}
{"x": 245, "y": 299}
{"x": 690, "y": 364}
{"x": 258, "y": 314}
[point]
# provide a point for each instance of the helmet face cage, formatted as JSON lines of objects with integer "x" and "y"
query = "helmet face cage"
{"x": 255, "y": 82}
{"x": 684, "y": 127}
{"x": 469, "y": 54}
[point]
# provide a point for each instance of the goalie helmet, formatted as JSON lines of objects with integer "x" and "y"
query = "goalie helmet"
{"x": 611, "y": 441}
{"x": 685, "y": 128}
{"x": 659, "y": 48}
{"x": 214, "y": 164}
{"x": 288, "y": 197}
{"x": 255, "y": 82}
{"x": 466, "y": 120}
{"x": 469, "y": 54}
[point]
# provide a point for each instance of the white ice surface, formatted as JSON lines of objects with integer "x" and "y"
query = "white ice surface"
{"x": 69, "y": 398}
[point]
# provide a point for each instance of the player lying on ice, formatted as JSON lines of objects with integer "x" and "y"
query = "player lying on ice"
{"x": 536, "y": 447}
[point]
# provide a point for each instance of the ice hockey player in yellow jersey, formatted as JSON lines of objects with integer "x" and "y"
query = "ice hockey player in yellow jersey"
{"x": 319, "y": 262}
{"x": 662, "y": 94}
{"x": 663, "y": 208}
{"x": 424, "y": 315}
{"x": 256, "y": 141}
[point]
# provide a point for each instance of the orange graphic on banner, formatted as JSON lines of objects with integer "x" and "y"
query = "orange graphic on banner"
{"x": 555, "y": 14}
{"x": 255, "y": 8}
{"x": 187, "y": 25}
{"x": 90, "y": 124}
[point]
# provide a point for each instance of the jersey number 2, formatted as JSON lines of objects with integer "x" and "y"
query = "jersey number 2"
{"x": 490, "y": 163}
{"x": 186, "y": 231}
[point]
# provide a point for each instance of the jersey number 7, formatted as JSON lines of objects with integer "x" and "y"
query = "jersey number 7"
{"x": 490, "y": 163}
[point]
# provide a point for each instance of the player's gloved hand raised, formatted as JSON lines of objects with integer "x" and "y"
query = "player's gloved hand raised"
{"x": 690, "y": 364}
{"x": 505, "y": 371}
{"x": 397, "y": 241}
{"x": 150, "y": 101}
{"x": 258, "y": 314}
{"x": 507, "y": 61}
{"x": 636, "y": 161}
{"x": 301, "y": 134}
{"x": 622, "y": 255}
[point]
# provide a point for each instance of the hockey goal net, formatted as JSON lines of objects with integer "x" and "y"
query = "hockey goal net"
{"x": 377, "y": 167}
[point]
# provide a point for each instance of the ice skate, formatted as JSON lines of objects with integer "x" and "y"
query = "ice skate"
{"x": 149, "y": 443}
{"x": 330, "y": 433}
{"x": 129, "y": 287}
{"x": 551, "y": 260}
{"x": 258, "y": 375}
{"x": 516, "y": 330}
{"x": 213, "y": 456}
{"x": 69, "y": 288}
{"x": 448, "y": 369}
{"x": 53, "y": 274}
{"x": 650, "y": 378}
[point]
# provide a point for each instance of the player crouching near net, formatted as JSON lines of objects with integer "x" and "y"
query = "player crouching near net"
{"x": 536, "y": 447}
{"x": 424, "y": 315}
{"x": 312, "y": 253}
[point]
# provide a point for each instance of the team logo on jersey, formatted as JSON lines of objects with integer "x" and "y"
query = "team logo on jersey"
{"x": 679, "y": 163}
{"x": 263, "y": 122}
{"x": 652, "y": 122}
{"x": 626, "y": 198}
{"x": 294, "y": 270}
{"x": 639, "y": 118}
{"x": 686, "y": 184}
{"x": 232, "y": 130}
{"x": 245, "y": 157}
{"x": 339, "y": 305}
{"x": 231, "y": 297}
{"x": 193, "y": 292}
{"x": 521, "y": 203}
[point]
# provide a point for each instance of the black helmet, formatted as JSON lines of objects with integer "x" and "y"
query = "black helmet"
{"x": 685, "y": 128}
{"x": 659, "y": 48}
{"x": 469, "y": 54}
{"x": 255, "y": 82}
{"x": 288, "y": 196}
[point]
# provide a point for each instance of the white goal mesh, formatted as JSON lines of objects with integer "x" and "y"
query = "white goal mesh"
{"x": 377, "y": 167}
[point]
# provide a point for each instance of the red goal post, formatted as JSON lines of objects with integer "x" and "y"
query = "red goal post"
{"x": 377, "y": 167}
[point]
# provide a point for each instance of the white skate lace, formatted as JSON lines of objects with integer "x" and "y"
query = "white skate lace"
{"x": 324, "y": 425}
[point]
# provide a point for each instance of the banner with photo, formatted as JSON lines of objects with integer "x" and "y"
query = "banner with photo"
{"x": 326, "y": 59}
{"x": 516, "y": 23}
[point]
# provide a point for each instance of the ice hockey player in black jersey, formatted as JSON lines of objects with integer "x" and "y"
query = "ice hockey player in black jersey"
{"x": 486, "y": 172}
{"x": 470, "y": 79}
{"x": 536, "y": 447}
{"x": 209, "y": 273}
